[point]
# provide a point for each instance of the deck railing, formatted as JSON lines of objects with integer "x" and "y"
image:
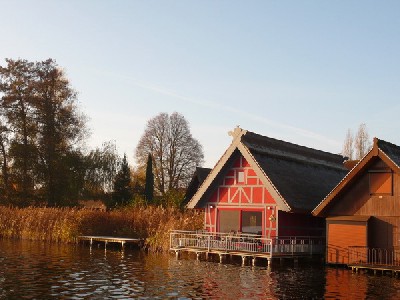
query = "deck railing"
{"x": 247, "y": 243}
{"x": 299, "y": 244}
{"x": 374, "y": 256}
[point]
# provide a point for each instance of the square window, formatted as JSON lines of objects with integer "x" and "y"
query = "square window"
{"x": 240, "y": 177}
{"x": 380, "y": 183}
{"x": 252, "y": 222}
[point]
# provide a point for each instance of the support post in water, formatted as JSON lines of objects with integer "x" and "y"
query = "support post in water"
{"x": 221, "y": 258}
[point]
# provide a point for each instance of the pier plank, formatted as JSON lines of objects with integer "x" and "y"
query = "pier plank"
{"x": 110, "y": 239}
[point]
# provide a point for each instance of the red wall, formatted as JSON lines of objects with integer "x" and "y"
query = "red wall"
{"x": 247, "y": 195}
{"x": 292, "y": 224}
{"x": 251, "y": 194}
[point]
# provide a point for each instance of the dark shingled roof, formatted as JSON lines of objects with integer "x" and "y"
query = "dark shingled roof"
{"x": 391, "y": 150}
{"x": 202, "y": 173}
{"x": 302, "y": 175}
{"x": 198, "y": 177}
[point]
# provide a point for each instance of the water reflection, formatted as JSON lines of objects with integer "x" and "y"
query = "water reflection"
{"x": 343, "y": 284}
{"x": 42, "y": 271}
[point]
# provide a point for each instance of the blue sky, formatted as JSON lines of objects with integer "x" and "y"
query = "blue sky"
{"x": 300, "y": 71}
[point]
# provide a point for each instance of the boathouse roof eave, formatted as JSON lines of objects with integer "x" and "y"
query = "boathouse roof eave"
{"x": 269, "y": 157}
{"x": 237, "y": 133}
{"x": 376, "y": 151}
{"x": 349, "y": 218}
{"x": 197, "y": 179}
{"x": 280, "y": 201}
{"x": 349, "y": 177}
{"x": 296, "y": 171}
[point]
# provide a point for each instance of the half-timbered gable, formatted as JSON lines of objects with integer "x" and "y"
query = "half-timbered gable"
{"x": 244, "y": 203}
{"x": 268, "y": 187}
{"x": 241, "y": 186}
{"x": 363, "y": 210}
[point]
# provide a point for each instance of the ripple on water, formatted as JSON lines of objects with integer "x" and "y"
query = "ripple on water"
{"x": 37, "y": 270}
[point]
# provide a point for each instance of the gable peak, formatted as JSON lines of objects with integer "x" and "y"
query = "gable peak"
{"x": 375, "y": 142}
{"x": 236, "y": 132}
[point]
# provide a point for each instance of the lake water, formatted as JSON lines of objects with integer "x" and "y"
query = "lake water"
{"x": 32, "y": 270}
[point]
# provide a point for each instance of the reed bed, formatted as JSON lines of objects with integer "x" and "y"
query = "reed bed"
{"x": 152, "y": 223}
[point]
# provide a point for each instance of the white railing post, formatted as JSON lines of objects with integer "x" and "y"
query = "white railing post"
{"x": 271, "y": 245}
{"x": 292, "y": 242}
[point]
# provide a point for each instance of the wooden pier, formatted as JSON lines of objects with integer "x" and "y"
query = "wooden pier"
{"x": 393, "y": 270}
{"x": 109, "y": 239}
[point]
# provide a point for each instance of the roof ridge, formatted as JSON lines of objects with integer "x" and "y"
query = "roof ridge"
{"x": 283, "y": 149}
{"x": 378, "y": 140}
{"x": 290, "y": 143}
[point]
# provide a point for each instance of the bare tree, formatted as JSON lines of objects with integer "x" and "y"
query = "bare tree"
{"x": 348, "y": 145}
{"x": 362, "y": 143}
{"x": 356, "y": 147}
{"x": 176, "y": 154}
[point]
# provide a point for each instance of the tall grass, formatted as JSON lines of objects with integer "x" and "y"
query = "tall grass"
{"x": 152, "y": 223}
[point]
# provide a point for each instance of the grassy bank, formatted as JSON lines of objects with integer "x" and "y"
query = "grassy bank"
{"x": 151, "y": 223}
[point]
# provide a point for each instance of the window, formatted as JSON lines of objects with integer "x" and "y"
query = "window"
{"x": 240, "y": 177}
{"x": 380, "y": 183}
{"x": 252, "y": 222}
{"x": 229, "y": 220}
{"x": 240, "y": 221}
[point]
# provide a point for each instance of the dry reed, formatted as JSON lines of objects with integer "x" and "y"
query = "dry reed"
{"x": 152, "y": 223}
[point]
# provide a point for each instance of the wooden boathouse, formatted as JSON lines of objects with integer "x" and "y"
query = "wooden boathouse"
{"x": 363, "y": 212}
{"x": 260, "y": 195}
{"x": 267, "y": 187}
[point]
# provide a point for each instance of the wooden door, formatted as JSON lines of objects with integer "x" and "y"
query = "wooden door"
{"x": 341, "y": 236}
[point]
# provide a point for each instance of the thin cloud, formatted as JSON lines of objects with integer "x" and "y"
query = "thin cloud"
{"x": 163, "y": 91}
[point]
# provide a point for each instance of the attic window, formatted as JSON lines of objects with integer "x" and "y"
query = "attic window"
{"x": 380, "y": 182}
{"x": 240, "y": 177}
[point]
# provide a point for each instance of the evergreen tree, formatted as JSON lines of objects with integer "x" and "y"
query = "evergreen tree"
{"x": 149, "y": 187}
{"x": 122, "y": 185}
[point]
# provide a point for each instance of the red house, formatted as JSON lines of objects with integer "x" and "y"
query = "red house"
{"x": 268, "y": 187}
{"x": 363, "y": 211}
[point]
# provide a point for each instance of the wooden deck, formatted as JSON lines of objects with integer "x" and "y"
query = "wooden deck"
{"x": 374, "y": 259}
{"x": 244, "y": 245}
{"x": 394, "y": 270}
{"x": 109, "y": 239}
